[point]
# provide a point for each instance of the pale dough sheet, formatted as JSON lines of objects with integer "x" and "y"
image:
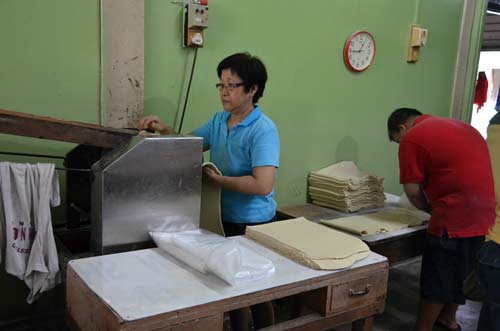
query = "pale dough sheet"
{"x": 380, "y": 222}
{"x": 344, "y": 187}
{"x": 347, "y": 195}
{"x": 311, "y": 244}
{"x": 364, "y": 199}
{"x": 345, "y": 171}
{"x": 347, "y": 208}
{"x": 210, "y": 215}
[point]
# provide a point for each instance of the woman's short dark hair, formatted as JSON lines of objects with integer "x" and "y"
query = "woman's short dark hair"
{"x": 250, "y": 69}
{"x": 398, "y": 117}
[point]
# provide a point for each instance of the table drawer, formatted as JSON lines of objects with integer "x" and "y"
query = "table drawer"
{"x": 358, "y": 292}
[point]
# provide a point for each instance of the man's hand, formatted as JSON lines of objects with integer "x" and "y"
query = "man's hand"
{"x": 416, "y": 196}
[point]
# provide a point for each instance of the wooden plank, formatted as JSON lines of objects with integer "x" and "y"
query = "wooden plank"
{"x": 492, "y": 19}
{"x": 491, "y": 45}
{"x": 214, "y": 322}
{"x": 28, "y": 125}
{"x": 492, "y": 27}
{"x": 493, "y": 35}
{"x": 316, "y": 322}
{"x": 85, "y": 309}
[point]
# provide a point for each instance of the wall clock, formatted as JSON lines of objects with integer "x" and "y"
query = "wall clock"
{"x": 359, "y": 51}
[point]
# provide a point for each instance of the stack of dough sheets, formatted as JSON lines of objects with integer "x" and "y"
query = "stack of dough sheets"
{"x": 344, "y": 187}
{"x": 310, "y": 244}
{"x": 381, "y": 222}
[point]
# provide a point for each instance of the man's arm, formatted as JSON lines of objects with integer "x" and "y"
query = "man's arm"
{"x": 261, "y": 181}
{"x": 417, "y": 197}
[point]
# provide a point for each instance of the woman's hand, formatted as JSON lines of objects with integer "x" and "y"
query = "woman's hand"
{"x": 211, "y": 174}
{"x": 155, "y": 123}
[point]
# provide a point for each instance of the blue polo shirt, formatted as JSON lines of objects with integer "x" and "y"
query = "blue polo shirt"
{"x": 252, "y": 143}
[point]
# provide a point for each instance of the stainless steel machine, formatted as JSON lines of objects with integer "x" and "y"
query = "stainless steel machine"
{"x": 137, "y": 184}
{"x": 146, "y": 184}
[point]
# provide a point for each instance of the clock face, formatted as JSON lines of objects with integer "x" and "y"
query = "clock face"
{"x": 359, "y": 51}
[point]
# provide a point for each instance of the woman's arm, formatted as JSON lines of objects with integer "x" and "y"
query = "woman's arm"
{"x": 261, "y": 181}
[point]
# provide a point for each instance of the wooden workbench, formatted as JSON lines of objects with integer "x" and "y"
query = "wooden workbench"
{"x": 396, "y": 245}
{"x": 151, "y": 290}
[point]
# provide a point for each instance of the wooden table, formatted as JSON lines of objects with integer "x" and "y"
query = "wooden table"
{"x": 396, "y": 245}
{"x": 151, "y": 290}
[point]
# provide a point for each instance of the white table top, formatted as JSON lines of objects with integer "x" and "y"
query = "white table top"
{"x": 149, "y": 282}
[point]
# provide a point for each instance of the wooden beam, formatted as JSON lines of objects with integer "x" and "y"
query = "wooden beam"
{"x": 22, "y": 124}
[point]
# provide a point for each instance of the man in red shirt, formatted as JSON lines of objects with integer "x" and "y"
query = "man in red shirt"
{"x": 445, "y": 170}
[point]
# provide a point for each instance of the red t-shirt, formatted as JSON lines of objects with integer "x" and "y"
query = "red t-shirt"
{"x": 451, "y": 160}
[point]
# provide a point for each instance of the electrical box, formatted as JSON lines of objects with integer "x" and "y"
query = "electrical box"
{"x": 418, "y": 38}
{"x": 195, "y": 21}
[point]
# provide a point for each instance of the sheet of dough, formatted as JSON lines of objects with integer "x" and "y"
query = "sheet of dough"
{"x": 210, "y": 215}
{"x": 309, "y": 243}
{"x": 346, "y": 171}
{"x": 346, "y": 195}
{"x": 380, "y": 222}
{"x": 344, "y": 187}
{"x": 374, "y": 199}
{"x": 347, "y": 207}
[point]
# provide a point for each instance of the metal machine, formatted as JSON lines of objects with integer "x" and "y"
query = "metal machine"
{"x": 136, "y": 184}
{"x": 148, "y": 184}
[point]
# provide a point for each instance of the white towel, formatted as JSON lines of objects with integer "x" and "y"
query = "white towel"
{"x": 495, "y": 85}
{"x": 27, "y": 192}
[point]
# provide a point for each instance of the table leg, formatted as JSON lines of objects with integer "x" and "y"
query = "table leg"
{"x": 365, "y": 324}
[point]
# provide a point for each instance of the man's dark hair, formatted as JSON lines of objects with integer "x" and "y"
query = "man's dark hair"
{"x": 250, "y": 69}
{"x": 398, "y": 117}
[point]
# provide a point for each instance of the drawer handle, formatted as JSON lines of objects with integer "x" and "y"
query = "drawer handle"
{"x": 353, "y": 293}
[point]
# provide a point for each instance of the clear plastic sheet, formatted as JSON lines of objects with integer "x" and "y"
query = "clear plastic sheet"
{"x": 211, "y": 253}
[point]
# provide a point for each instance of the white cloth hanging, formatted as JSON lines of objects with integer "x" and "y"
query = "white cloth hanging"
{"x": 27, "y": 192}
{"x": 495, "y": 85}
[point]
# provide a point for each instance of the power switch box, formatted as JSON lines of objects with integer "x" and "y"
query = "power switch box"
{"x": 197, "y": 16}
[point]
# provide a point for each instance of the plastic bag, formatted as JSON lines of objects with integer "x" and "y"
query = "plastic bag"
{"x": 211, "y": 253}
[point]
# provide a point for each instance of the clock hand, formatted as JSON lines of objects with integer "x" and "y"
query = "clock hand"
{"x": 363, "y": 44}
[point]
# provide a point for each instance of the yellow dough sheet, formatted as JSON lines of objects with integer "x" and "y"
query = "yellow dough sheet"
{"x": 345, "y": 207}
{"x": 345, "y": 171}
{"x": 380, "y": 222}
{"x": 366, "y": 194}
{"x": 210, "y": 213}
{"x": 309, "y": 243}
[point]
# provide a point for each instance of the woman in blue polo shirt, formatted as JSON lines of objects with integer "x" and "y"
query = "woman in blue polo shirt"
{"x": 244, "y": 145}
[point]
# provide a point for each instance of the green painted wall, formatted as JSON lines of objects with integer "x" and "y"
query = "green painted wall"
{"x": 325, "y": 113}
{"x": 49, "y": 65}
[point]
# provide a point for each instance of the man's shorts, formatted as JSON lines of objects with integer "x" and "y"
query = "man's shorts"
{"x": 489, "y": 274}
{"x": 446, "y": 262}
